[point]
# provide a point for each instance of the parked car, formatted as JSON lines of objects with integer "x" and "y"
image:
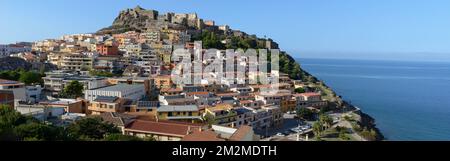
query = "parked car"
{"x": 280, "y": 134}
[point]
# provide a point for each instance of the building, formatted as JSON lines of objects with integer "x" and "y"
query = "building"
{"x": 274, "y": 99}
{"x": 9, "y": 84}
{"x": 66, "y": 105}
{"x": 106, "y": 63}
{"x": 6, "y": 50}
{"x": 110, "y": 49}
{"x": 21, "y": 92}
{"x": 7, "y": 98}
{"x": 222, "y": 114}
{"x": 133, "y": 92}
{"x": 118, "y": 119}
{"x": 104, "y": 104}
{"x": 288, "y": 105}
{"x": 310, "y": 99}
{"x": 163, "y": 81}
{"x": 171, "y": 91}
{"x": 55, "y": 82}
{"x": 186, "y": 113}
{"x": 76, "y": 62}
{"x": 149, "y": 108}
{"x": 161, "y": 130}
{"x": 221, "y": 133}
{"x": 146, "y": 81}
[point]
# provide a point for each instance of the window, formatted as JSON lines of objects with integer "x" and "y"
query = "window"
{"x": 190, "y": 113}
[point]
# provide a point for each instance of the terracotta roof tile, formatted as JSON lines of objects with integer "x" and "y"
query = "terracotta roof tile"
{"x": 207, "y": 135}
{"x": 165, "y": 128}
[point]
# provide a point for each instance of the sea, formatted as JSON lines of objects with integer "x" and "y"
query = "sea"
{"x": 410, "y": 100}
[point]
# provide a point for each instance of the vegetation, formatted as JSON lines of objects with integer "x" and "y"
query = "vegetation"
{"x": 91, "y": 129}
{"x": 73, "y": 90}
{"x": 36, "y": 131}
{"x": 103, "y": 73}
{"x": 121, "y": 137}
{"x": 209, "y": 119}
{"x": 305, "y": 114}
{"x": 299, "y": 90}
{"x": 17, "y": 127}
{"x": 370, "y": 135}
{"x": 325, "y": 120}
{"x": 343, "y": 133}
{"x": 317, "y": 129}
{"x": 27, "y": 77}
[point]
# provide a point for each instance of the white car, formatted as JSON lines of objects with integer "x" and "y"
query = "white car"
{"x": 280, "y": 134}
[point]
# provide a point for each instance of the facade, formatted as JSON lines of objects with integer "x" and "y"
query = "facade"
{"x": 186, "y": 113}
{"x": 55, "y": 83}
{"x": 163, "y": 81}
{"x": 118, "y": 119}
{"x": 222, "y": 114}
{"x": 274, "y": 99}
{"x": 161, "y": 130}
{"x": 104, "y": 104}
{"x": 6, "y": 50}
{"x": 76, "y": 62}
{"x": 104, "y": 49}
{"x": 68, "y": 105}
{"x": 310, "y": 100}
{"x": 7, "y": 98}
{"x": 133, "y": 92}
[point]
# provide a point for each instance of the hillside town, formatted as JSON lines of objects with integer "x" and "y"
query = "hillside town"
{"x": 123, "y": 75}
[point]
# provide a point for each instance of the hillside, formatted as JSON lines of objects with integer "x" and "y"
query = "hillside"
{"x": 141, "y": 20}
{"x": 12, "y": 63}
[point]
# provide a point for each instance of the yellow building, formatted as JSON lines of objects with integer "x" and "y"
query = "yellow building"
{"x": 185, "y": 113}
{"x": 222, "y": 114}
{"x": 107, "y": 104}
{"x": 163, "y": 81}
{"x": 288, "y": 105}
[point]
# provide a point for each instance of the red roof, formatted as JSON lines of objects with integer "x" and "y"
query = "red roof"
{"x": 241, "y": 133}
{"x": 163, "y": 128}
{"x": 198, "y": 93}
{"x": 207, "y": 135}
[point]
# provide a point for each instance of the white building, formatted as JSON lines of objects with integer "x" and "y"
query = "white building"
{"x": 6, "y": 50}
{"x": 134, "y": 92}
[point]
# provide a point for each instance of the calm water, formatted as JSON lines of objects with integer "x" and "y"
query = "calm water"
{"x": 409, "y": 100}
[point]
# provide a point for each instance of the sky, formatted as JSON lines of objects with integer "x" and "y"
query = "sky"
{"x": 359, "y": 29}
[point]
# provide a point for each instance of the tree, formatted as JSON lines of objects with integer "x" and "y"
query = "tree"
{"x": 30, "y": 78}
{"x": 300, "y": 90}
{"x": 9, "y": 119}
{"x": 369, "y": 134}
{"x": 36, "y": 131}
{"x": 317, "y": 129}
{"x": 305, "y": 113}
{"x": 73, "y": 90}
{"x": 91, "y": 128}
{"x": 343, "y": 135}
{"x": 209, "y": 119}
{"x": 325, "y": 120}
{"x": 120, "y": 137}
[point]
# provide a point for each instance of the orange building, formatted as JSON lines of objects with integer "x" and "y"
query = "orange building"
{"x": 7, "y": 98}
{"x": 103, "y": 49}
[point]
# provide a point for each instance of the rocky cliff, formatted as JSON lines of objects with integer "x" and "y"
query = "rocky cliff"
{"x": 136, "y": 19}
{"x": 12, "y": 63}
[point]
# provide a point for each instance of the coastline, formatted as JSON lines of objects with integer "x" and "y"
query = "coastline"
{"x": 365, "y": 121}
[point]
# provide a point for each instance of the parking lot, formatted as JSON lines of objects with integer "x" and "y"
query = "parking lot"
{"x": 291, "y": 127}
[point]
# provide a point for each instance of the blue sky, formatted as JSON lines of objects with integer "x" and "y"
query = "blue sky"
{"x": 382, "y": 29}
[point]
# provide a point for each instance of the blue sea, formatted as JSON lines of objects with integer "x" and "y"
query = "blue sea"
{"x": 409, "y": 100}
